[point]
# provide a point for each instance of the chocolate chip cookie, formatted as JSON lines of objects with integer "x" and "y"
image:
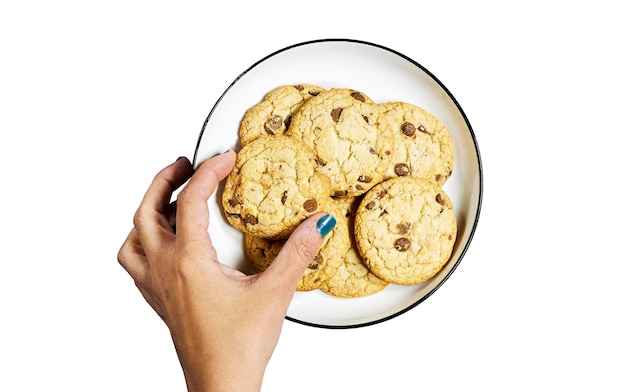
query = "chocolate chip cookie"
{"x": 273, "y": 114}
{"x": 273, "y": 187}
{"x": 405, "y": 229}
{"x": 352, "y": 279}
{"x": 422, "y": 144}
{"x": 350, "y": 137}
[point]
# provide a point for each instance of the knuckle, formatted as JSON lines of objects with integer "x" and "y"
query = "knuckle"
{"x": 121, "y": 256}
{"x": 139, "y": 217}
{"x": 125, "y": 253}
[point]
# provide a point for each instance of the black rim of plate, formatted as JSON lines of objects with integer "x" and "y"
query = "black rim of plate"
{"x": 471, "y": 131}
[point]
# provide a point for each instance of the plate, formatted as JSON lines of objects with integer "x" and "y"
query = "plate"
{"x": 384, "y": 75}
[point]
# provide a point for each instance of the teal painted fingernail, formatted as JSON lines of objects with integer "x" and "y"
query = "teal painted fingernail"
{"x": 325, "y": 224}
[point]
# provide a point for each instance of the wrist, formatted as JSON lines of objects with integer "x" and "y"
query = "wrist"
{"x": 222, "y": 380}
{"x": 221, "y": 373}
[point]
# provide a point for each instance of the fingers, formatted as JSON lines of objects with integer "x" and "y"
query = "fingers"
{"x": 192, "y": 218}
{"x": 152, "y": 215}
{"x": 165, "y": 183}
{"x": 299, "y": 250}
{"x": 154, "y": 212}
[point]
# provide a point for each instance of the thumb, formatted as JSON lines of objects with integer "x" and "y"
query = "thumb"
{"x": 299, "y": 250}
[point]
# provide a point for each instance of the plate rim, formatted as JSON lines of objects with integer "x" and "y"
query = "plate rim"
{"x": 465, "y": 119}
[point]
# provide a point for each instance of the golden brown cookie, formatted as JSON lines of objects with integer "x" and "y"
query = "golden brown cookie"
{"x": 261, "y": 252}
{"x": 273, "y": 114}
{"x": 422, "y": 144}
{"x": 273, "y": 186}
{"x": 405, "y": 229}
{"x": 350, "y": 137}
{"x": 352, "y": 279}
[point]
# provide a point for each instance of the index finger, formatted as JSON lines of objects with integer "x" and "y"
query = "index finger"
{"x": 151, "y": 217}
{"x": 192, "y": 218}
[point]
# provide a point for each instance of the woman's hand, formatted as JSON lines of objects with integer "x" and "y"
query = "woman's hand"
{"x": 224, "y": 324}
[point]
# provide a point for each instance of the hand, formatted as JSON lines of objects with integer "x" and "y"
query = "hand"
{"x": 225, "y": 325}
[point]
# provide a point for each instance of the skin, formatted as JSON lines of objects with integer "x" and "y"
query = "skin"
{"x": 225, "y": 325}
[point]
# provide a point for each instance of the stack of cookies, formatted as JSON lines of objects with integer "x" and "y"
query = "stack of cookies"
{"x": 378, "y": 168}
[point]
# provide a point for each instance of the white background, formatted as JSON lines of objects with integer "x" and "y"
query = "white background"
{"x": 96, "y": 97}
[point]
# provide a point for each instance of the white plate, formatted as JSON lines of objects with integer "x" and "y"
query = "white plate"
{"x": 384, "y": 75}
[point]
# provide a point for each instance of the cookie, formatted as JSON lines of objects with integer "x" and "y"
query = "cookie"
{"x": 273, "y": 186}
{"x": 405, "y": 230}
{"x": 273, "y": 114}
{"x": 352, "y": 279}
{"x": 261, "y": 252}
{"x": 422, "y": 144}
{"x": 350, "y": 137}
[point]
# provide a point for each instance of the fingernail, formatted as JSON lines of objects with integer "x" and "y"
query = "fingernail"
{"x": 226, "y": 152}
{"x": 179, "y": 158}
{"x": 325, "y": 224}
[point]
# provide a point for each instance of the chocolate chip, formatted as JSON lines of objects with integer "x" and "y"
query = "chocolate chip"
{"x": 314, "y": 93}
{"x": 381, "y": 194}
{"x": 316, "y": 263}
{"x": 367, "y": 120}
{"x": 402, "y": 169}
{"x": 365, "y": 179}
{"x": 408, "y": 129}
{"x": 404, "y": 227}
{"x": 340, "y": 193}
{"x": 358, "y": 96}
{"x": 371, "y": 205}
{"x": 310, "y": 205}
{"x": 438, "y": 177}
{"x": 319, "y": 161}
{"x": 233, "y": 202}
{"x": 373, "y": 151}
{"x": 250, "y": 220}
{"x": 299, "y": 87}
{"x": 287, "y": 121}
{"x": 422, "y": 128}
{"x": 268, "y": 130}
{"x": 402, "y": 244}
{"x": 440, "y": 199}
{"x": 335, "y": 113}
{"x": 274, "y": 122}
{"x": 283, "y": 198}
{"x": 359, "y": 187}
